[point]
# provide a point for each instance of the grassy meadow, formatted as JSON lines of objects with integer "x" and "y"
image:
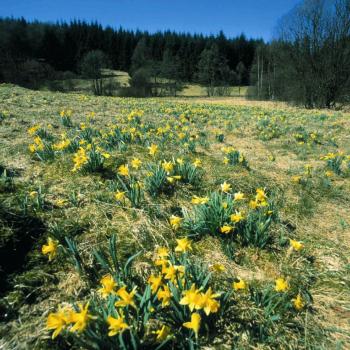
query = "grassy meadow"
{"x": 172, "y": 223}
{"x": 121, "y": 79}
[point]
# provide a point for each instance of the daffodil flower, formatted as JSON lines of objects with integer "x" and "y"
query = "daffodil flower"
{"x": 194, "y": 324}
{"x": 50, "y": 248}
{"x": 116, "y": 325}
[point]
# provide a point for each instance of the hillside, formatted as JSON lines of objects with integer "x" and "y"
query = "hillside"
{"x": 237, "y": 211}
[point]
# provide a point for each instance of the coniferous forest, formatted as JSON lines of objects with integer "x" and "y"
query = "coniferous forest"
{"x": 63, "y": 45}
{"x": 305, "y": 63}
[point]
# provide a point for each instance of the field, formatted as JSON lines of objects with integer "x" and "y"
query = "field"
{"x": 172, "y": 223}
{"x": 120, "y": 78}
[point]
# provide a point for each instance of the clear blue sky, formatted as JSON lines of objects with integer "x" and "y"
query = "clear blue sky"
{"x": 255, "y": 18}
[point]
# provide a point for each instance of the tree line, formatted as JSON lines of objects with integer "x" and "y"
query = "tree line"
{"x": 44, "y": 48}
{"x": 306, "y": 63}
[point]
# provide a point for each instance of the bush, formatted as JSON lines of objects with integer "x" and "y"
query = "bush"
{"x": 140, "y": 83}
{"x": 91, "y": 67}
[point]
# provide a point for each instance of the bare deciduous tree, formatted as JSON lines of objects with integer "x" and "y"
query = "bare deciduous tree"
{"x": 309, "y": 61}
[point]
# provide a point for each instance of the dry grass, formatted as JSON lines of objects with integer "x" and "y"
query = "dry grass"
{"x": 321, "y": 220}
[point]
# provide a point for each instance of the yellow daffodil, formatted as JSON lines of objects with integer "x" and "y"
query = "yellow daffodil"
{"x": 60, "y": 202}
{"x": 108, "y": 286}
{"x": 153, "y": 149}
{"x": 240, "y": 285}
{"x": 33, "y": 194}
{"x": 175, "y": 222}
{"x": 296, "y": 179}
{"x": 116, "y": 325}
{"x": 281, "y": 285}
{"x": 253, "y": 204}
{"x": 61, "y": 145}
{"x": 155, "y": 282}
{"x": 298, "y": 302}
{"x": 170, "y": 179}
{"x": 296, "y": 245}
{"x": 180, "y": 161}
{"x": 241, "y": 158}
{"x": 106, "y": 155}
{"x": 50, "y": 248}
{"x": 119, "y": 196}
{"x": 80, "y": 158}
{"x": 261, "y": 198}
{"x": 136, "y": 163}
{"x": 162, "y": 252}
{"x": 183, "y": 245}
{"x": 172, "y": 272}
{"x": 164, "y": 295}
{"x": 237, "y": 217}
{"x": 192, "y": 298}
{"x": 197, "y": 162}
{"x": 208, "y": 302}
{"x": 168, "y": 166}
{"x": 228, "y": 149}
{"x": 226, "y": 229}
{"x": 32, "y": 148}
{"x": 123, "y": 170}
{"x": 39, "y": 143}
{"x": 199, "y": 200}
{"x": 57, "y": 321}
{"x": 181, "y": 135}
{"x": 194, "y": 324}
{"x": 225, "y": 187}
{"x": 238, "y": 196}
{"x": 126, "y": 298}
{"x": 33, "y": 129}
{"x": 162, "y": 334}
{"x": 81, "y": 318}
{"x": 217, "y": 267}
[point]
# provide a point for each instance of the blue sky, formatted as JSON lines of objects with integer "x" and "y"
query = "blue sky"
{"x": 256, "y": 18}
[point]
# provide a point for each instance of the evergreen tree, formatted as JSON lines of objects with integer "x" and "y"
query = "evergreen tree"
{"x": 51, "y": 49}
{"x": 63, "y": 46}
{"x": 241, "y": 73}
{"x": 171, "y": 71}
{"x": 141, "y": 56}
{"x": 213, "y": 70}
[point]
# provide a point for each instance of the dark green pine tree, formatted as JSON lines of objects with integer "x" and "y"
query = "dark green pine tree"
{"x": 213, "y": 70}
{"x": 241, "y": 74}
{"x": 171, "y": 71}
{"x": 51, "y": 49}
{"x": 141, "y": 56}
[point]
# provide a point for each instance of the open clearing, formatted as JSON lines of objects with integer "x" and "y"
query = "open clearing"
{"x": 279, "y": 150}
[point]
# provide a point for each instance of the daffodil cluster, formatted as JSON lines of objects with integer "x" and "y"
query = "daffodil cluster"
{"x": 338, "y": 162}
{"x": 270, "y": 127}
{"x": 231, "y": 216}
{"x": 177, "y": 297}
{"x": 175, "y": 305}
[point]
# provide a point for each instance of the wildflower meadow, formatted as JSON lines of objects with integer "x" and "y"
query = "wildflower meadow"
{"x": 172, "y": 224}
